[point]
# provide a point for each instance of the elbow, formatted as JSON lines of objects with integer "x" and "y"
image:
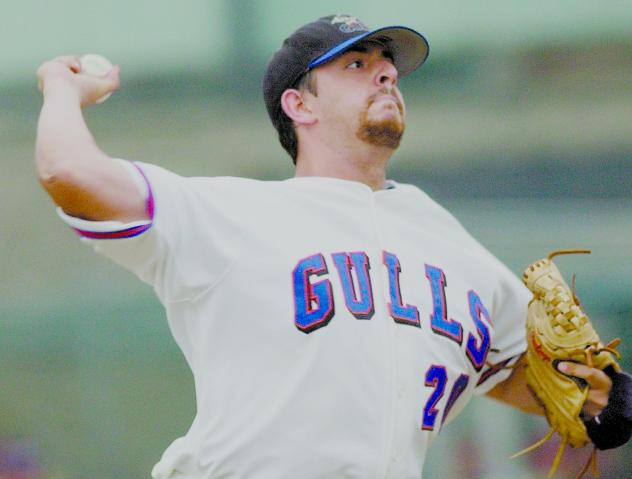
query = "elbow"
{"x": 61, "y": 177}
{"x": 53, "y": 181}
{"x": 51, "y": 170}
{"x": 47, "y": 171}
{"x": 76, "y": 181}
{"x": 60, "y": 183}
{"x": 61, "y": 166}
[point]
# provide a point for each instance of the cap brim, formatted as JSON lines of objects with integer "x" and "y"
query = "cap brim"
{"x": 409, "y": 48}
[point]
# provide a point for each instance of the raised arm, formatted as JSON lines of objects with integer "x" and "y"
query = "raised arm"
{"x": 79, "y": 177}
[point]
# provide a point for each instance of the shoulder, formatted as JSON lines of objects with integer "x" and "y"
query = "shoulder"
{"x": 437, "y": 219}
{"x": 411, "y": 191}
{"x": 158, "y": 176}
{"x": 412, "y": 198}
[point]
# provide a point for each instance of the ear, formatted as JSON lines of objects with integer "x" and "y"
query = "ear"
{"x": 296, "y": 107}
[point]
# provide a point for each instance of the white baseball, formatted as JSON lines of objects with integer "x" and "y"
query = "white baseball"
{"x": 96, "y": 66}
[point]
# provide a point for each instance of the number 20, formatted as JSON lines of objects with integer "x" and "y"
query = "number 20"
{"x": 437, "y": 378}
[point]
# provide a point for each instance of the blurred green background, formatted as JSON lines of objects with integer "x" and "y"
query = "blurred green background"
{"x": 520, "y": 123}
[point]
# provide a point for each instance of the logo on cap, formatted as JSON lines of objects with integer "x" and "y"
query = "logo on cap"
{"x": 349, "y": 24}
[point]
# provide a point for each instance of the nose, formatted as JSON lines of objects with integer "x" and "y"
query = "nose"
{"x": 386, "y": 75}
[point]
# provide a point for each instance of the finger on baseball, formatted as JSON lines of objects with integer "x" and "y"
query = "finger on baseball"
{"x": 111, "y": 82}
{"x": 71, "y": 62}
{"x": 114, "y": 77}
{"x": 96, "y": 88}
{"x": 595, "y": 378}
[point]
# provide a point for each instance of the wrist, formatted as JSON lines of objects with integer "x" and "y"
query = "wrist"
{"x": 58, "y": 87}
{"x": 612, "y": 427}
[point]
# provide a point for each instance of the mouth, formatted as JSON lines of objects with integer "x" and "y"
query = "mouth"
{"x": 388, "y": 101}
{"x": 385, "y": 98}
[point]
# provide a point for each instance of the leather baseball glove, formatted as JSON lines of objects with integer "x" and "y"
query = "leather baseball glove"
{"x": 559, "y": 330}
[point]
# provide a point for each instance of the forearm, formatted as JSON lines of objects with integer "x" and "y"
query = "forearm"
{"x": 75, "y": 172}
{"x": 64, "y": 141}
{"x": 514, "y": 391}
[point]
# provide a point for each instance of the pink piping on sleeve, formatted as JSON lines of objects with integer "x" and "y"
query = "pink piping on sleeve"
{"x": 149, "y": 202}
{"x": 127, "y": 232}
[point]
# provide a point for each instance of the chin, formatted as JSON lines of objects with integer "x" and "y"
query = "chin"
{"x": 382, "y": 124}
{"x": 386, "y": 133}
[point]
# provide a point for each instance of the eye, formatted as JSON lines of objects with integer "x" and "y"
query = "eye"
{"x": 356, "y": 64}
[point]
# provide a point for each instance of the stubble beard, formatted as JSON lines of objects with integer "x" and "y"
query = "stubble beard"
{"x": 385, "y": 132}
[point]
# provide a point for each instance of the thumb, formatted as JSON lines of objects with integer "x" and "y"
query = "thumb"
{"x": 99, "y": 89}
{"x": 113, "y": 76}
{"x": 108, "y": 85}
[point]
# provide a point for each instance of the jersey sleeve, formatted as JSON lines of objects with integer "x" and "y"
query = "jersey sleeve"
{"x": 186, "y": 216}
{"x": 509, "y": 315}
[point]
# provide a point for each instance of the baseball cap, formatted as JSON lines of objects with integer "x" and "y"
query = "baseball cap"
{"x": 328, "y": 37}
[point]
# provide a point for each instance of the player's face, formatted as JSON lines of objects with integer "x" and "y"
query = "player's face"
{"x": 357, "y": 93}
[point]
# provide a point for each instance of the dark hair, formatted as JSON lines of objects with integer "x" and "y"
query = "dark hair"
{"x": 285, "y": 125}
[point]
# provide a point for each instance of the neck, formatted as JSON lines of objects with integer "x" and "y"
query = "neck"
{"x": 365, "y": 165}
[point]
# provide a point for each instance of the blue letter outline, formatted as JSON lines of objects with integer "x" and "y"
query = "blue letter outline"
{"x": 401, "y": 314}
{"x": 477, "y": 354}
{"x": 362, "y": 307}
{"x": 439, "y": 321}
{"x": 306, "y": 317}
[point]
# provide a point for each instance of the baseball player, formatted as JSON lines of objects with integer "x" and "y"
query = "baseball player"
{"x": 333, "y": 321}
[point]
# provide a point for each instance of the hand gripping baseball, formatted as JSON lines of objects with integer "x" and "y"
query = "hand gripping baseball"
{"x": 91, "y": 78}
{"x": 558, "y": 330}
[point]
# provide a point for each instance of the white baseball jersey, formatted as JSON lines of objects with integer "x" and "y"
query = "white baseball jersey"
{"x": 331, "y": 329}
